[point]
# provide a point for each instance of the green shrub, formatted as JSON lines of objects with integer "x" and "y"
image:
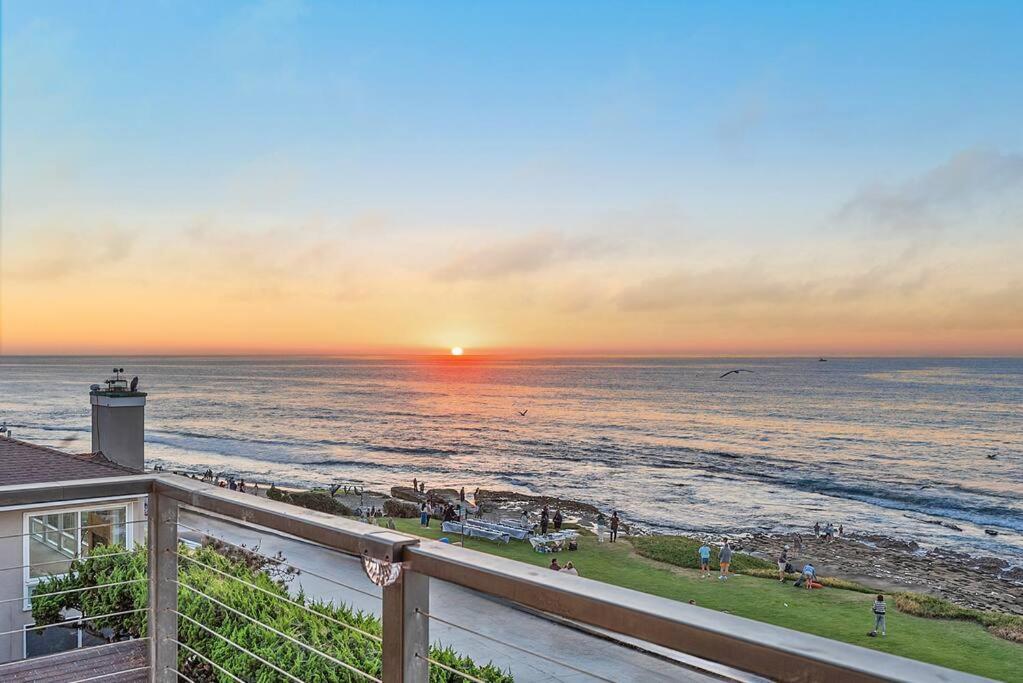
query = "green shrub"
{"x": 829, "y": 581}
{"x": 683, "y": 551}
{"x": 399, "y": 508}
{"x": 321, "y": 501}
{"x": 345, "y": 644}
{"x": 1007, "y": 626}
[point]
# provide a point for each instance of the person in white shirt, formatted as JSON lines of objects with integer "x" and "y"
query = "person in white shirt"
{"x": 569, "y": 568}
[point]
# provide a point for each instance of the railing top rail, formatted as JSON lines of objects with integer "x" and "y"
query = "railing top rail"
{"x": 337, "y": 533}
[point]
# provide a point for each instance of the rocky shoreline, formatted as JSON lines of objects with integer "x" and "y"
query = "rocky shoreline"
{"x": 880, "y": 562}
{"x": 888, "y": 564}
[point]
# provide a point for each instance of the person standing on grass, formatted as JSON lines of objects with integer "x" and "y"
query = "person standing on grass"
{"x": 615, "y": 522}
{"x": 783, "y": 561}
{"x": 558, "y": 520}
{"x": 725, "y": 560}
{"x": 544, "y": 521}
{"x": 704, "y": 561}
{"x": 879, "y": 611}
{"x": 424, "y": 516}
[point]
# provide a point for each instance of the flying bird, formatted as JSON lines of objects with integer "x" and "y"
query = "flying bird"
{"x": 522, "y": 412}
{"x": 734, "y": 372}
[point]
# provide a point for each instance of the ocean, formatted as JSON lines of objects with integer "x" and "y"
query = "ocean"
{"x": 888, "y": 446}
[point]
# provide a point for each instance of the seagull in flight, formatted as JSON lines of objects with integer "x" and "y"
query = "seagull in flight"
{"x": 734, "y": 372}
{"x": 522, "y": 412}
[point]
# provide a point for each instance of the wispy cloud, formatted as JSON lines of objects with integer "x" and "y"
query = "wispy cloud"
{"x": 929, "y": 201}
{"x": 528, "y": 254}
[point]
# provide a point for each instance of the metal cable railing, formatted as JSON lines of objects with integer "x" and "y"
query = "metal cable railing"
{"x": 282, "y": 598}
{"x": 206, "y": 659}
{"x": 453, "y": 670}
{"x": 72, "y": 590}
{"x": 101, "y": 677}
{"x": 108, "y": 525}
{"x": 70, "y": 559}
{"x": 532, "y": 653}
{"x": 279, "y": 633}
{"x": 77, "y": 620}
{"x": 279, "y": 561}
{"x": 178, "y": 674}
{"x": 239, "y": 648}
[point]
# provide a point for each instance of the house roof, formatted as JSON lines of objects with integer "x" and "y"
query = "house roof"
{"x": 28, "y": 463}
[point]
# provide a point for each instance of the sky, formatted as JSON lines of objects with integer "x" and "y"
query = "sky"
{"x": 733, "y": 178}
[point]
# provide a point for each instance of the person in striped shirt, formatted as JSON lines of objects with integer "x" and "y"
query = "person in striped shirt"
{"x": 879, "y": 611}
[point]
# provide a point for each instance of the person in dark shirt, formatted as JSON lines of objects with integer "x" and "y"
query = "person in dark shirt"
{"x": 544, "y": 521}
{"x": 558, "y": 519}
{"x": 615, "y": 523}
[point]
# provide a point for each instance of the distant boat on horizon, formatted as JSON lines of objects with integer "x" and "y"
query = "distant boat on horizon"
{"x": 822, "y": 360}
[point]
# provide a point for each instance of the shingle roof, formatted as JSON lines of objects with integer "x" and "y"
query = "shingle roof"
{"x": 28, "y": 463}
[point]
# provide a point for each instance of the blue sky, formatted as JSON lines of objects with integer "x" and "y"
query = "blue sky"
{"x": 636, "y": 134}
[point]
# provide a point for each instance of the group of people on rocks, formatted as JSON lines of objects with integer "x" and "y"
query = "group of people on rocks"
{"x": 828, "y": 531}
{"x": 228, "y": 482}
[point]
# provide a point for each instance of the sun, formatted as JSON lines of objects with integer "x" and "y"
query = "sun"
{"x": 456, "y": 351}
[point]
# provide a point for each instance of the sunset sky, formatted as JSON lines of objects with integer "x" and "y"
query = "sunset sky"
{"x": 669, "y": 178}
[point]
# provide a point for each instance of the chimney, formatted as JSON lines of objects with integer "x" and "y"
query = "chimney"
{"x": 118, "y": 421}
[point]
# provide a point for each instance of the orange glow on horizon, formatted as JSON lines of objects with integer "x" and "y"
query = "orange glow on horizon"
{"x": 457, "y": 351}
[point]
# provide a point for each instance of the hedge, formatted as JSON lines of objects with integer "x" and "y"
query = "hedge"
{"x": 344, "y": 644}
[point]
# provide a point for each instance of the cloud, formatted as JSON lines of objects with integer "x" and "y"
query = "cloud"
{"x": 528, "y": 254}
{"x": 930, "y": 201}
{"x": 723, "y": 287}
{"x": 55, "y": 254}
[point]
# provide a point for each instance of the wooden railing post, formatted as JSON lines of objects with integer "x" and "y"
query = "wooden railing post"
{"x": 163, "y": 589}
{"x": 406, "y": 629}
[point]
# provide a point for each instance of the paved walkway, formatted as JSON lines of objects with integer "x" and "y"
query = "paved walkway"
{"x": 483, "y": 615}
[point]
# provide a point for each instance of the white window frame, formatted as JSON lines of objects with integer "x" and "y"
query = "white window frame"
{"x": 129, "y": 537}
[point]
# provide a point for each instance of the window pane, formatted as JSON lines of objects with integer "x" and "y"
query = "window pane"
{"x": 105, "y": 527}
{"x": 50, "y": 640}
{"x": 49, "y": 551}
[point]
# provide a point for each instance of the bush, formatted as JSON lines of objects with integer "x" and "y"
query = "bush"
{"x": 683, "y": 551}
{"x": 1007, "y": 626}
{"x": 829, "y": 581}
{"x": 345, "y": 644}
{"x": 320, "y": 501}
{"x": 399, "y": 508}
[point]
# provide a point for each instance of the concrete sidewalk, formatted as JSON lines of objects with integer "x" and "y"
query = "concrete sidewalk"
{"x": 483, "y": 616}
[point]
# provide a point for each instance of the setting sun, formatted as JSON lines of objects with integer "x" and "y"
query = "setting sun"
{"x": 456, "y": 351}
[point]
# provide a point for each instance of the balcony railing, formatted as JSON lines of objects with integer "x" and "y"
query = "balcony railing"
{"x": 175, "y": 502}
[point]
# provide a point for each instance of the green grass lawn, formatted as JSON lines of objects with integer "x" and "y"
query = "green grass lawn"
{"x": 839, "y": 614}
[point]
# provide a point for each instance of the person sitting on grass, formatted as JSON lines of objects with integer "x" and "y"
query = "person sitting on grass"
{"x": 725, "y": 560}
{"x": 569, "y": 568}
{"x": 554, "y": 564}
{"x": 879, "y": 610}
{"x": 704, "y": 561}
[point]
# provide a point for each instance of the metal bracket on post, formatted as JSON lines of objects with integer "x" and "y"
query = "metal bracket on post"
{"x": 406, "y": 601}
{"x": 163, "y": 588}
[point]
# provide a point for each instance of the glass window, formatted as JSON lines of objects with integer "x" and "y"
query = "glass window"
{"x": 51, "y": 543}
{"x": 57, "y": 538}
{"x": 50, "y": 640}
{"x": 102, "y": 527}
